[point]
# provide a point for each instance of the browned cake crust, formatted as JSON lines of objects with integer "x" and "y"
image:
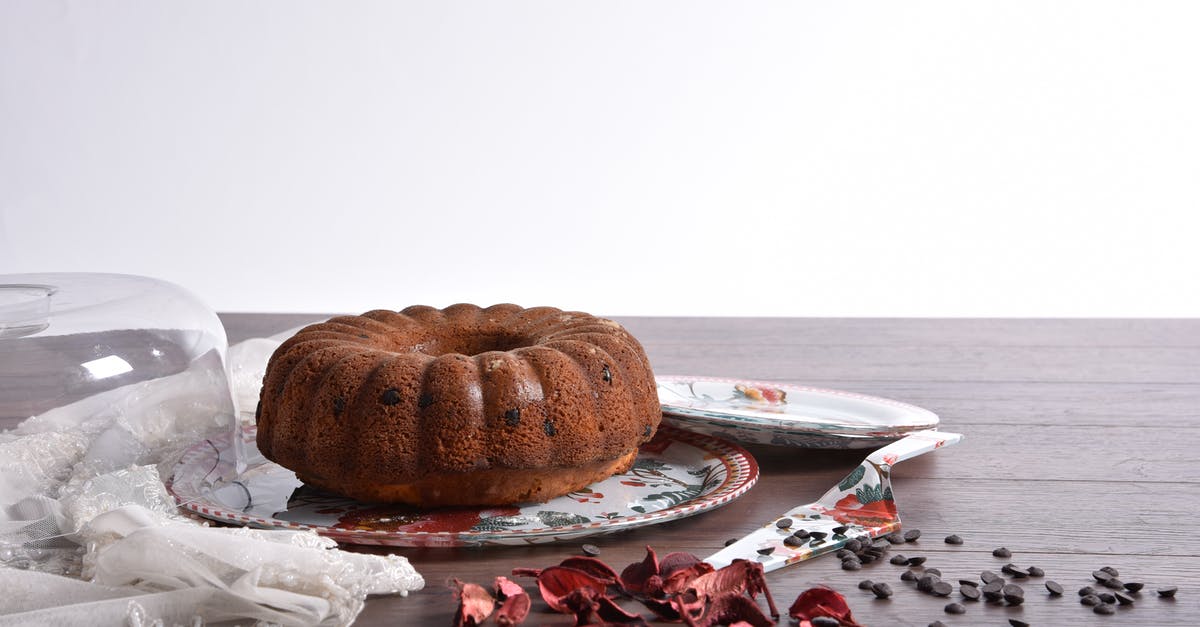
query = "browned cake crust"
{"x": 459, "y": 406}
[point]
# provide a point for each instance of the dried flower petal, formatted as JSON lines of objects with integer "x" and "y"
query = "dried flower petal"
{"x": 681, "y": 579}
{"x": 474, "y": 604}
{"x": 675, "y": 561}
{"x": 732, "y": 608}
{"x": 557, "y": 582}
{"x": 514, "y": 610}
{"x": 738, "y": 577}
{"x": 506, "y": 588}
{"x": 822, "y": 601}
{"x": 593, "y": 567}
{"x": 635, "y": 575}
{"x": 689, "y": 606}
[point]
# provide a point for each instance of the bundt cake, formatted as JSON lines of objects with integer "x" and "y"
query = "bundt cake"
{"x": 458, "y": 406}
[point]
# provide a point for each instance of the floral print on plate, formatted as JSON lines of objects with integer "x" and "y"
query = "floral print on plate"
{"x": 759, "y": 412}
{"x": 677, "y": 474}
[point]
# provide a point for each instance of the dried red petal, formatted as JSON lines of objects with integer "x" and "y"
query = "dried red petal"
{"x": 610, "y": 612}
{"x": 506, "y": 588}
{"x": 689, "y": 606}
{"x": 474, "y": 604}
{"x": 732, "y": 608}
{"x": 738, "y": 577}
{"x": 635, "y": 575}
{"x": 675, "y": 561}
{"x": 514, "y": 610}
{"x": 681, "y": 579}
{"x": 822, "y": 601}
{"x": 664, "y": 610}
{"x": 557, "y": 582}
{"x": 593, "y": 567}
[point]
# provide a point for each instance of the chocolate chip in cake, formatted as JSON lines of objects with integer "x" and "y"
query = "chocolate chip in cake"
{"x": 425, "y": 401}
{"x": 390, "y": 396}
{"x": 339, "y": 404}
{"x": 607, "y": 375}
{"x": 646, "y": 431}
{"x": 548, "y": 427}
{"x": 512, "y": 417}
{"x": 364, "y": 336}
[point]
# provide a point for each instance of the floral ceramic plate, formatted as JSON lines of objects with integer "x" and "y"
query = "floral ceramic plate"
{"x": 677, "y": 474}
{"x": 758, "y": 412}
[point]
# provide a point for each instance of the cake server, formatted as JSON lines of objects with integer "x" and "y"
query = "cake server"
{"x": 859, "y": 507}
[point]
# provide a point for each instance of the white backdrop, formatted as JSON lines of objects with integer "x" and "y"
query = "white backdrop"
{"x": 767, "y": 158}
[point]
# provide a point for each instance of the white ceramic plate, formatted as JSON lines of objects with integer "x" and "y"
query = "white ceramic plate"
{"x": 677, "y": 474}
{"x": 760, "y": 412}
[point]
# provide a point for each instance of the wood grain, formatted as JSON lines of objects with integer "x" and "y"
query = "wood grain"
{"x": 1080, "y": 452}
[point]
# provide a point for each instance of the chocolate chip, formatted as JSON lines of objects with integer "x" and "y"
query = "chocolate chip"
{"x": 339, "y": 404}
{"x": 825, "y": 621}
{"x": 1012, "y": 571}
{"x": 898, "y": 560}
{"x": 988, "y": 576}
{"x": 1102, "y": 575}
{"x": 783, "y": 523}
{"x": 1110, "y": 570}
{"x": 817, "y": 535}
{"x": 1002, "y": 552}
{"x": 1013, "y": 594}
{"x": 793, "y": 541}
{"x": 993, "y": 591}
{"x": 1034, "y": 571}
{"x": 912, "y": 535}
{"x": 854, "y": 545}
{"x": 646, "y": 431}
{"x": 851, "y": 564}
{"x": 1107, "y": 597}
{"x": 908, "y": 575}
{"x": 607, "y": 375}
{"x": 1134, "y": 586}
{"x": 936, "y": 623}
{"x": 512, "y": 417}
{"x": 917, "y": 561}
{"x": 1086, "y": 590}
{"x": 1123, "y": 599}
{"x": 1090, "y": 599}
{"x": 1016, "y": 622}
{"x": 865, "y": 584}
{"x": 881, "y": 590}
{"x": 933, "y": 571}
{"x": 1105, "y": 608}
{"x": 894, "y": 538}
{"x": 840, "y": 529}
{"x": 548, "y": 427}
{"x": 1114, "y": 583}
{"x": 955, "y": 608}
{"x": 766, "y": 551}
{"x": 954, "y": 539}
{"x": 942, "y": 589}
{"x": 844, "y": 553}
{"x": 390, "y": 396}
{"x": 425, "y": 401}
{"x": 1054, "y": 587}
{"x": 970, "y": 592}
{"x": 730, "y": 541}
{"x": 364, "y": 336}
{"x": 1168, "y": 592}
{"x": 803, "y": 534}
{"x": 925, "y": 583}
{"x": 590, "y": 550}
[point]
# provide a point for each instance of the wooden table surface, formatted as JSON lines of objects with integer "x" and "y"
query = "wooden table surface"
{"x": 1080, "y": 452}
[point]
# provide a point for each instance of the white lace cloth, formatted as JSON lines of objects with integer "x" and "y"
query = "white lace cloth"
{"x": 89, "y": 534}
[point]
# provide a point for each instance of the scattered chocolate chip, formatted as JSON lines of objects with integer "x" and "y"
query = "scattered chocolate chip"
{"x": 1107, "y": 597}
{"x": 766, "y": 551}
{"x": 894, "y": 538}
{"x": 933, "y": 571}
{"x": 425, "y": 401}
{"x": 646, "y": 431}
{"x": 339, "y": 405}
{"x": 955, "y": 608}
{"x": 970, "y": 592}
{"x": 825, "y": 621}
{"x": 954, "y": 539}
{"x": 1013, "y": 594}
{"x": 912, "y": 535}
{"x": 1101, "y": 575}
{"x": 854, "y": 545}
{"x": 803, "y": 534}
{"x": 844, "y": 553}
{"x": 1086, "y": 590}
{"x": 908, "y": 575}
{"x": 1002, "y": 552}
{"x": 881, "y": 590}
{"x": 817, "y": 535}
{"x": 1012, "y": 571}
{"x": 783, "y": 523}
{"x": 993, "y": 591}
{"x": 590, "y": 550}
{"x": 942, "y": 589}
{"x": 390, "y": 396}
{"x": 512, "y": 417}
{"x": 1168, "y": 592}
{"x": 898, "y": 560}
{"x": 1110, "y": 570}
{"x": 851, "y": 564}
{"x": 607, "y": 375}
{"x": 865, "y": 584}
{"x": 968, "y": 582}
{"x": 1134, "y": 586}
{"x": 793, "y": 541}
{"x": 1016, "y": 622}
{"x": 730, "y": 541}
{"x": 548, "y": 427}
{"x": 1105, "y": 608}
{"x": 917, "y": 561}
{"x": 1054, "y": 587}
{"x": 1123, "y": 599}
{"x": 1034, "y": 571}
{"x": 988, "y": 576}
{"x": 1090, "y": 599}
{"x": 1114, "y": 583}
{"x": 925, "y": 583}
{"x": 840, "y": 529}
{"x": 936, "y": 623}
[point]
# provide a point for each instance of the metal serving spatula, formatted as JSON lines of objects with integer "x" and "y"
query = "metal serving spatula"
{"x": 860, "y": 507}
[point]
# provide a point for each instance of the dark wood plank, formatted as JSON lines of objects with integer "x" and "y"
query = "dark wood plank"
{"x": 1079, "y": 454}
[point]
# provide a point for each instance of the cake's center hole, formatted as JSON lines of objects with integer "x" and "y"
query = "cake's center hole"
{"x": 474, "y": 344}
